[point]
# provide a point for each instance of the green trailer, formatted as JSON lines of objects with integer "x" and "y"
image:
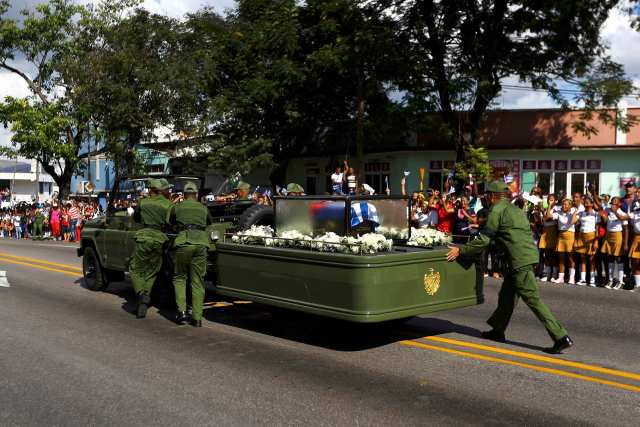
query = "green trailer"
{"x": 360, "y": 288}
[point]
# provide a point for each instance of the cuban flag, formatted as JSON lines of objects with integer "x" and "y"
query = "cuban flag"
{"x": 363, "y": 211}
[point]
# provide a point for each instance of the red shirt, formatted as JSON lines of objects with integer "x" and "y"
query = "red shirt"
{"x": 445, "y": 219}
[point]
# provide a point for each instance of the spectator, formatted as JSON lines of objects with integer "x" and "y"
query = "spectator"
{"x": 549, "y": 239}
{"x": 587, "y": 242}
{"x": 614, "y": 243}
{"x": 566, "y": 220}
{"x": 337, "y": 180}
{"x": 464, "y": 219}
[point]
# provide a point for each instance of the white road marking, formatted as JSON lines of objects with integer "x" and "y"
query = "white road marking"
{"x": 4, "y": 283}
{"x": 56, "y": 246}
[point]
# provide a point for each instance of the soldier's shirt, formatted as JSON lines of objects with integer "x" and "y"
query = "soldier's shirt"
{"x": 153, "y": 210}
{"x": 509, "y": 228}
{"x": 190, "y": 212}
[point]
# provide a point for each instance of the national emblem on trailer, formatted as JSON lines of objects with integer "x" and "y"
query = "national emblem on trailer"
{"x": 432, "y": 281}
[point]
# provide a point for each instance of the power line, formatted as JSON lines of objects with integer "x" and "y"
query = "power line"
{"x": 565, "y": 91}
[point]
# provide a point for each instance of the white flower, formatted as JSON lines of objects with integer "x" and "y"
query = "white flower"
{"x": 428, "y": 237}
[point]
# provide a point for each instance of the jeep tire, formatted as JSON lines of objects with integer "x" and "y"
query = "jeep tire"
{"x": 257, "y": 215}
{"x": 92, "y": 271}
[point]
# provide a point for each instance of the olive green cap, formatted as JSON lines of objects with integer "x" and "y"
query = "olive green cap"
{"x": 294, "y": 188}
{"x": 243, "y": 186}
{"x": 164, "y": 184}
{"x": 190, "y": 187}
{"x": 155, "y": 183}
{"x": 497, "y": 187}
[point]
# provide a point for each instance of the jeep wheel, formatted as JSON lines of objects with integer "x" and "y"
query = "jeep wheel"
{"x": 92, "y": 273}
{"x": 257, "y": 215}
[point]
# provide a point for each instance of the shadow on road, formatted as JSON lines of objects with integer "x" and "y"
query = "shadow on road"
{"x": 307, "y": 328}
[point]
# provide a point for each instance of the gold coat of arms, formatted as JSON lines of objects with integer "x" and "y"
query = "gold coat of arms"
{"x": 432, "y": 281}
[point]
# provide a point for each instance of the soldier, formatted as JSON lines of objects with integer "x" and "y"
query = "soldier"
{"x": 509, "y": 228}
{"x": 191, "y": 246}
{"x": 38, "y": 222}
{"x": 294, "y": 189}
{"x": 146, "y": 260}
{"x": 242, "y": 190}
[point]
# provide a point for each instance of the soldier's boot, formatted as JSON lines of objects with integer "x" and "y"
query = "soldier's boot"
{"x": 143, "y": 304}
{"x": 196, "y": 323}
{"x": 494, "y": 335}
{"x": 182, "y": 318}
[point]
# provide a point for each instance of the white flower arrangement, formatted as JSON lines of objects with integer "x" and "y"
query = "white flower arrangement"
{"x": 393, "y": 232}
{"x": 428, "y": 237}
{"x": 369, "y": 243}
{"x": 256, "y": 235}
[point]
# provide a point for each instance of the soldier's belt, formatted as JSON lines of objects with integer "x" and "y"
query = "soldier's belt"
{"x": 193, "y": 227}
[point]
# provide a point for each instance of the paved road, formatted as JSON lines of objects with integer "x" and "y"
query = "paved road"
{"x": 70, "y": 356}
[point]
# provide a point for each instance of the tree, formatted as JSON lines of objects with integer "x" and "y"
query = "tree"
{"x": 126, "y": 72}
{"x": 47, "y": 125}
{"x": 462, "y": 51}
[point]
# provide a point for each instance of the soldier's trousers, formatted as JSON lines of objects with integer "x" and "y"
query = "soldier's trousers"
{"x": 37, "y": 230}
{"x": 190, "y": 262}
{"x": 521, "y": 283}
{"x": 146, "y": 262}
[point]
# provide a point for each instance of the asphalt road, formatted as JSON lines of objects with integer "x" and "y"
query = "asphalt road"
{"x": 70, "y": 357}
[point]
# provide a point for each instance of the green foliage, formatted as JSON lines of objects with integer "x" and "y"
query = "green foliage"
{"x": 475, "y": 163}
{"x": 48, "y": 126}
{"x": 461, "y": 51}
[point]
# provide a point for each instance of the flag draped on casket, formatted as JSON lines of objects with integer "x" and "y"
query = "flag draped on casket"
{"x": 363, "y": 211}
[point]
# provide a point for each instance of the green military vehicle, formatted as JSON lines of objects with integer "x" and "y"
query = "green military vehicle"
{"x": 355, "y": 286}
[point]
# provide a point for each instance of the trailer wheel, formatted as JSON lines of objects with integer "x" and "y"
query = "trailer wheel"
{"x": 257, "y": 215}
{"x": 92, "y": 272}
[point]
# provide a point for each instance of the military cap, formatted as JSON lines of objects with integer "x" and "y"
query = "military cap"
{"x": 294, "y": 188}
{"x": 155, "y": 183}
{"x": 190, "y": 187}
{"x": 243, "y": 186}
{"x": 164, "y": 184}
{"x": 497, "y": 187}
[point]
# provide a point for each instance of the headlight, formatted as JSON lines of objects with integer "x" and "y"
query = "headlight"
{"x": 215, "y": 235}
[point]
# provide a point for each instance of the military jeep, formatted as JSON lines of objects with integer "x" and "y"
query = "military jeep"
{"x": 107, "y": 243}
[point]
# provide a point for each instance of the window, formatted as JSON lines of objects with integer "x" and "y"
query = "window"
{"x": 578, "y": 180}
{"x": 560, "y": 182}
{"x": 44, "y": 187}
{"x": 377, "y": 176}
{"x": 435, "y": 180}
{"x": 593, "y": 179}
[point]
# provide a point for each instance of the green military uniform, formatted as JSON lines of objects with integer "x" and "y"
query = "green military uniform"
{"x": 38, "y": 222}
{"x": 509, "y": 228}
{"x": 146, "y": 260}
{"x": 191, "y": 246}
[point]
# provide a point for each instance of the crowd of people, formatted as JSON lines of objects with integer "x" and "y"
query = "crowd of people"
{"x": 50, "y": 220}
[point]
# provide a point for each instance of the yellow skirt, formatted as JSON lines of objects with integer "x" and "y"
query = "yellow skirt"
{"x": 612, "y": 244}
{"x": 549, "y": 238}
{"x": 634, "y": 250}
{"x": 565, "y": 241}
{"x": 584, "y": 243}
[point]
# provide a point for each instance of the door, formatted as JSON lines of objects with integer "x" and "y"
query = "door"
{"x": 115, "y": 237}
{"x": 577, "y": 182}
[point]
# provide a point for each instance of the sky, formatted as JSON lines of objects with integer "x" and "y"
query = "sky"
{"x": 624, "y": 47}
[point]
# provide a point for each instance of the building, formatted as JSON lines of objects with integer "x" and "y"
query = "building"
{"x": 535, "y": 147}
{"x": 25, "y": 180}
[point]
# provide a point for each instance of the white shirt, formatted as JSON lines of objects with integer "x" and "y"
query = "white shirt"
{"x": 580, "y": 209}
{"x": 613, "y": 222}
{"x": 588, "y": 221}
{"x": 564, "y": 221}
{"x": 635, "y": 220}
{"x": 336, "y": 178}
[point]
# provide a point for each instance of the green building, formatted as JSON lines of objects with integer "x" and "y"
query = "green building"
{"x": 534, "y": 147}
